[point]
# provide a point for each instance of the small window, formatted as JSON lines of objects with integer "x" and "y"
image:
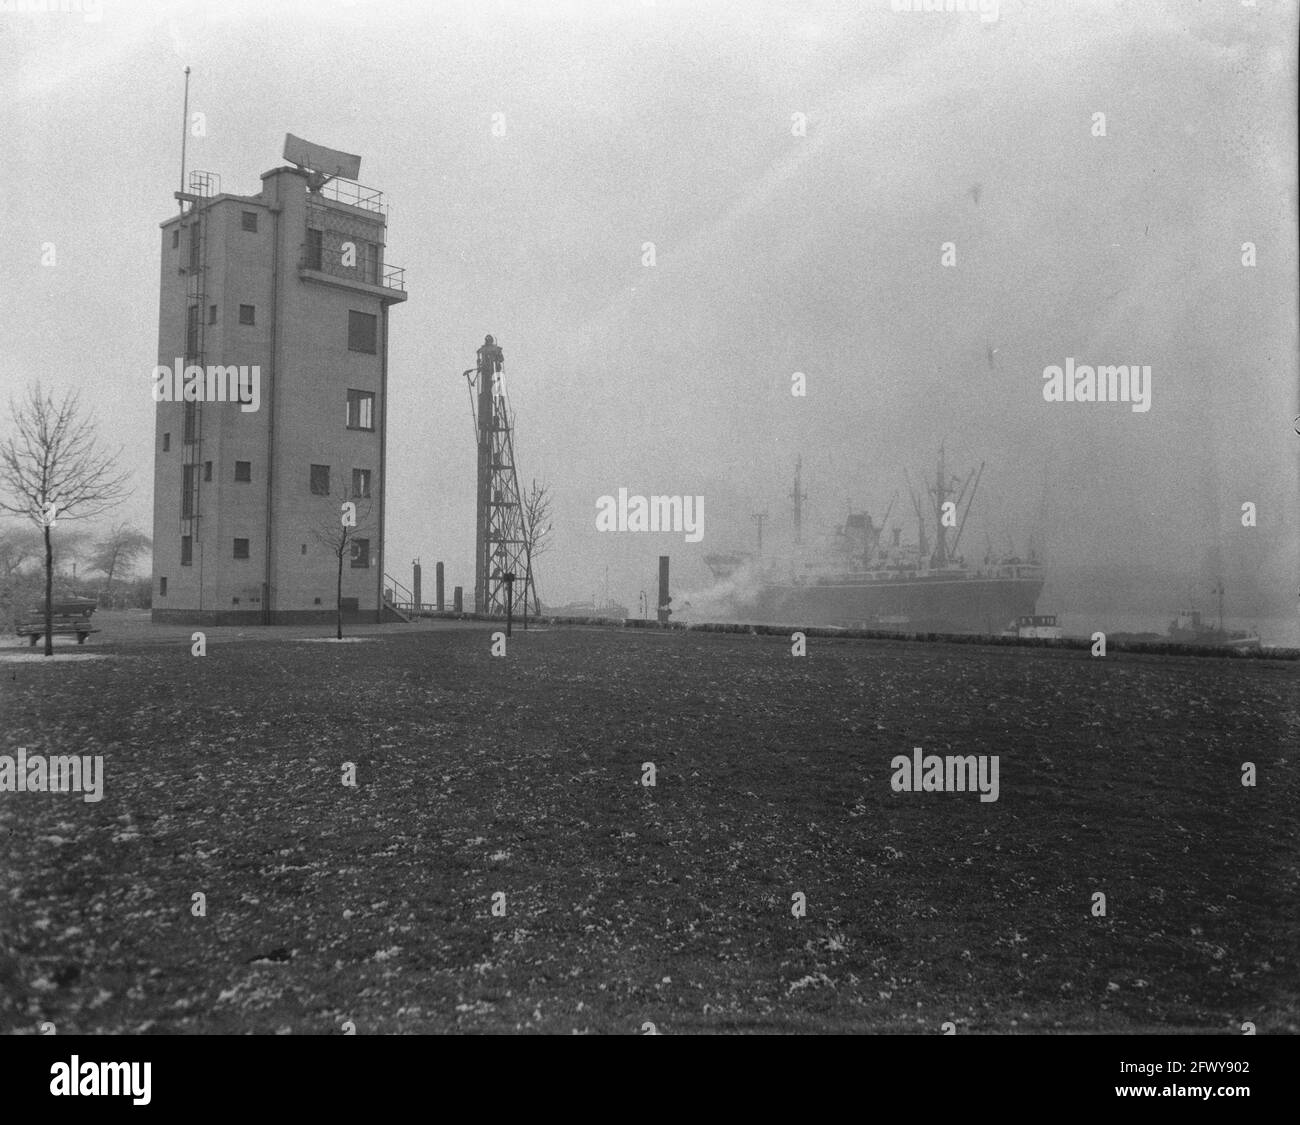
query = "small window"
{"x": 248, "y": 220}
{"x": 361, "y": 482}
{"x": 189, "y": 492}
{"x": 162, "y": 587}
{"x": 176, "y": 237}
{"x": 316, "y": 601}
{"x": 207, "y": 470}
{"x": 212, "y": 314}
{"x": 241, "y": 548}
{"x": 167, "y": 443}
{"x": 247, "y": 314}
{"x": 360, "y": 554}
{"x": 244, "y": 470}
{"x": 361, "y": 410}
{"x": 361, "y": 332}
{"x": 304, "y": 548}
{"x": 187, "y": 550}
{"x": 320, "y": 480}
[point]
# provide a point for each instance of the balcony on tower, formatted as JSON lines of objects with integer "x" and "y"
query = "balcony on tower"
{"x": 343, "y": 243}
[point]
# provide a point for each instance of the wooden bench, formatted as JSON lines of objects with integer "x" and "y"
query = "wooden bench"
{"x": 70, "y": 615}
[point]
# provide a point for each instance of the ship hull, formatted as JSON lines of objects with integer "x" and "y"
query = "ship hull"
{"x": 938, "y": 603}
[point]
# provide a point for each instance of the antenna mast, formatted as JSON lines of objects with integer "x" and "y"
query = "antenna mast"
{"x": 185, "y": 134}
{"x": 798, "y": 496}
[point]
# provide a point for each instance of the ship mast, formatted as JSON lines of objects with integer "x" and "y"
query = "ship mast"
{"x": 941, "y": 533}
{"x": 798, "y": 496}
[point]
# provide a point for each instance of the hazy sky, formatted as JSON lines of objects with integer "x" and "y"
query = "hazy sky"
{"x": 633, "y": 122}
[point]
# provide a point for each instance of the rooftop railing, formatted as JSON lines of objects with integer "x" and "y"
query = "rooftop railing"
{"x": 355, "y": 195}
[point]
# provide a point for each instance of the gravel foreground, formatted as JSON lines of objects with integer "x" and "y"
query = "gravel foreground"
{"x": 499, "y": 864}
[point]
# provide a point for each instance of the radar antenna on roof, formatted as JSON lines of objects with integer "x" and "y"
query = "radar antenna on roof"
{"x": 320, "y": 163}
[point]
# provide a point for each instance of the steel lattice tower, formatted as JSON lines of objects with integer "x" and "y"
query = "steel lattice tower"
{"x": 501, "y": 541}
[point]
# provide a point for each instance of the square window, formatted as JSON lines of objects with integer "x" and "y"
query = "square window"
{"x": 248, "y": 220}
{"x": 162, "y": 587}
{"x": 244, "y": 470}
{"x": 361, "y": 483}
{"x": 320, "y": 480}
{"x": 361, "y": 410}
{"x": 316, "y": 601}
{"x": 167, "y": 443}
{"x": 362, "y": 332}
{"x": 241, "y": 548}
{"x": 212, "y": 314}
{"x": 360, "y": 554}
{"x": 247, "y": 314}
{"x": 187, "y": 550}
{"x": 207, "y": 470}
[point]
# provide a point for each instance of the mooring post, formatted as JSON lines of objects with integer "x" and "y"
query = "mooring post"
{"x": 458, "y": 600}
{"x": 438, "y": 585}
{"x": 664, "y": 600}
{"x": 415, "y": 584}
{"x": 509, "y": 579}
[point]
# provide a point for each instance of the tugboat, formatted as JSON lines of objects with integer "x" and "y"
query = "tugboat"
{"x": 1035, "y": 626}
{"x": 1188, "y": 629}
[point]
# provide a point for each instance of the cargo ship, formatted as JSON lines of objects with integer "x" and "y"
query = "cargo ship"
{"x": 865, "y": 581}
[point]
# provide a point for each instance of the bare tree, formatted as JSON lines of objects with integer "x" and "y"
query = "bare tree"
{"x": 51, "y": 468}
{"x": 18, "y": 546}
{"x": 116, "y": 551}
{"x": 339, "y": 532}
{"x": 537, "y": 531}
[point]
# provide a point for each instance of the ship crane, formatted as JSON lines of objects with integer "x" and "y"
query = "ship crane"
{"x": 961, "y": 527}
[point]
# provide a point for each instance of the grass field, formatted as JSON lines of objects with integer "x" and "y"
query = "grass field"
{"x": 625, "y": 903}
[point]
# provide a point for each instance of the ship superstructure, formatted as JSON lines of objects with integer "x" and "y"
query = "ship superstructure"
{"x": 869, "y": 577}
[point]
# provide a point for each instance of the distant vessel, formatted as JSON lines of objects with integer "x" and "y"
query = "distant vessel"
{"x": 1188, "y": 629}
{"x": 863, "y": 582}
{"x": 1035, "y": 626}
